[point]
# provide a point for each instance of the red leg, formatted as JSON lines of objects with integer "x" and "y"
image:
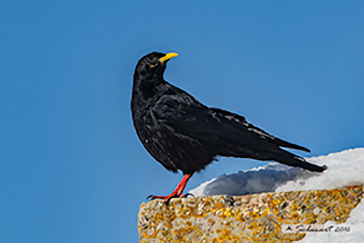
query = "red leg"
{"x": 177, "y": 192}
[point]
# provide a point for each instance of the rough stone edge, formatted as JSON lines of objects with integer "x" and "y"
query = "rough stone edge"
{"x": 252, "y": 218}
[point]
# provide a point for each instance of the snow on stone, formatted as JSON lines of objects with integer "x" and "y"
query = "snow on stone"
{"x": 262, "y": 179}
{"x": 345, "y": 168}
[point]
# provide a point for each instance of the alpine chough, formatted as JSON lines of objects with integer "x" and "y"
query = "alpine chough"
{"x": 183, "y": 134}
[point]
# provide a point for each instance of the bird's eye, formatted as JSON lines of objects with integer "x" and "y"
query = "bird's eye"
{"x": 152, "y": 64}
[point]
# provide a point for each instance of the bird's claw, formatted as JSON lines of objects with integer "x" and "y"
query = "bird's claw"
{"x": 168, "y": 198}
{"x": 152, "y": 197}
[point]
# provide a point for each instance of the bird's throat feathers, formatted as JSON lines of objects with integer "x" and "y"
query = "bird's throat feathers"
{"x": 147, "y": 89}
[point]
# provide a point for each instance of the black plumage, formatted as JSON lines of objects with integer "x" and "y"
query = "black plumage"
{"x": 183, "y": 134}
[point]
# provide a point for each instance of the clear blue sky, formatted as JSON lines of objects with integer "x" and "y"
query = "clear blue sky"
{"x": 71, "y": 166}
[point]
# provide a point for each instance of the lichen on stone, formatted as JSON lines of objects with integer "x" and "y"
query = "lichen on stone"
{"x": 250, "y": 218}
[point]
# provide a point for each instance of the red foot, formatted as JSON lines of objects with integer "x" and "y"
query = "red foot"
{"x": 177, "y": 193}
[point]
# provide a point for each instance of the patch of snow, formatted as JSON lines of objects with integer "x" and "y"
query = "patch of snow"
{"x": 345, "y": 168}
{"x": 262, "y": 179}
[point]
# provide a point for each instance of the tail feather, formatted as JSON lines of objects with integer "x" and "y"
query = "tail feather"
{"x": 290, "y": 159}
{"x": 286, "y": 144}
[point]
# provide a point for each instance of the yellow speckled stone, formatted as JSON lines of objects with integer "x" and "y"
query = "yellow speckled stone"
{"x": 250, "y": 218}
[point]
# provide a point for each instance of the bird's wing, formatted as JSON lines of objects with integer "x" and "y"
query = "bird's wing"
{"x": 262, "y": 134}
{"x": 185, "y": 115}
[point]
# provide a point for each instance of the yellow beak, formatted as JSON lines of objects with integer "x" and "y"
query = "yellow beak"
{"x": 168, "y": 56}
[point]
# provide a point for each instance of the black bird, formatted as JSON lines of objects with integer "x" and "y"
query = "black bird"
{"x": 183, "y": 134}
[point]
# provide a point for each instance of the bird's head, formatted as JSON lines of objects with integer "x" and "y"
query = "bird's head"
{"x": 152, "y": 65}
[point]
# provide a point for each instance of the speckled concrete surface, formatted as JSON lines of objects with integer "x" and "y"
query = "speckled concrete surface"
{"x": 249, "y": 218}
